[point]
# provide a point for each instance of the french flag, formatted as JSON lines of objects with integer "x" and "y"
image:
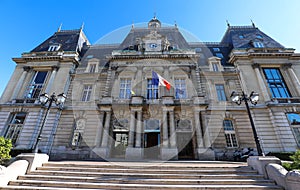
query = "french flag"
{"x": 160, "y": 81}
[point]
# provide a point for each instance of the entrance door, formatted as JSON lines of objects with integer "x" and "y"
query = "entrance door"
{"x": 185, "y": 146}
{"x": 151, "y": 145}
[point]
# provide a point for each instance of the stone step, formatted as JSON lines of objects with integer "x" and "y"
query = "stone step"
{"x": 153, "y": 180}
{"x": 150, "y": 171}
{"x": 149, "y": 165}
{"x": 81, "y": 185}
{"x": 147, "y": 175}
{"x": 143, "y": 175}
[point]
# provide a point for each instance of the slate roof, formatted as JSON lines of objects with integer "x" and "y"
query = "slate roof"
{"x": 67, "y": 39}
{"x": 243, "y": 36}
{"x": 99, "y": 52}
{"x": 209, "y": 49}
{"x": 172, "y": 33}
{"x": 235, "y": 37}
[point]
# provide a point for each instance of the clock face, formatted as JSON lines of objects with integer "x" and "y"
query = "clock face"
{"x": 153, "y": 45}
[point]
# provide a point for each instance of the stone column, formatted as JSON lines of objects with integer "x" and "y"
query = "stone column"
{"x": 168, "y": 152}
{"x": 52, "y": 77}
{"x": 165, "y": 130}
{"x": 261, "y": 83}
{"x": 20, "y": 82}
{"x": 106, "y": 130}
{"x": 138, "y": 140}
{"x": 173, "y": 139}
{"x": 102, "y": 151}
{"x": 206, "y": 136}
{"x": 198, "y": 128}
{"x": 99, "y": 130}
{"x": 138, "y": 80}
{"x": 131, "y": 129}
{"x": 294, "y": 78}
{"x": 135, "y": 152}
{"x": 203, "y": 140}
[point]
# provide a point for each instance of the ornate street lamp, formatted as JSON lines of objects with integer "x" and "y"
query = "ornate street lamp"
{"x": 44, "y": 99}
{"x": 253, "y": 98}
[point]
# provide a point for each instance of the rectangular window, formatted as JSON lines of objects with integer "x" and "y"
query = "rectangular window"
{"x": 14, "y": 126}
{"x": 37, "y": 84}
{"x": 53, "y": 47}
{"x": 258, "y": 44}
{"x": 294, "y": 120}
{"x": 229, "y": 131}
{"x": 180, "y": 88}
{"x": 276, "y": 83}
{"x": 92, "y": 68}
{"x": 215, "y": 67}
{"x": 87, "y": 91}
{"x": 221, "y": 92}
{"x": 125, "y": 89}
{"x": 152, "y": 90}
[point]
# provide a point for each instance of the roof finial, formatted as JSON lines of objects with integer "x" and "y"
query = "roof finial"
{"x": 175, "y": 24}
{"x": 154, "y": 15}
{"x": 81, "y": 28}
{"x": 59, "y": 28}
{"x": 252, "y": 23}
{"x": 132, "y": 25}
{"x": 227, "y": 23}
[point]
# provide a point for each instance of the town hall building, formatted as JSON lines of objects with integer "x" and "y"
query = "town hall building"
{"x": 155, "y": 95}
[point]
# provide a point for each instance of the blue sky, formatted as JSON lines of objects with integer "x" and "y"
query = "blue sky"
{"x": 27, "y": 23}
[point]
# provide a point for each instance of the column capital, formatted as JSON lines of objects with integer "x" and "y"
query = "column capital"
{"x": 255, "y": 66}
{"x": 26, "y": 68}
{"x": 287, "y": 66}
{"x": 136, "y": 109}
{"x": 55, "y": 68}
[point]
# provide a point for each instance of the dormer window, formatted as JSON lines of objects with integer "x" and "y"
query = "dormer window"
{"x": 216, "y": 49}
{"x": 54, "y": 47}
{"x": 215, "y": 64}
{"x": 258, "y": 36}
{"x": 198, "y": 50}
{"x": 220, "y": 55}
{"x": 258, "y": 44}
{"x": 92, "y": 66}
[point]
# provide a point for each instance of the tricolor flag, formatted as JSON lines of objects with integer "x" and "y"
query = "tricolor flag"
{"x": 160, "y": 81}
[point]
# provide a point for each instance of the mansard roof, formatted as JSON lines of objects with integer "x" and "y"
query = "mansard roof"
{"x": 235, "y": 37}
{"x": 244, "y": 36}
{"x": 67, "y": 40}
{"x": 173, "y": 35}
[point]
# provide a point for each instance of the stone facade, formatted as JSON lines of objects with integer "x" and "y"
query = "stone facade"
{"x": 115, "y": 110}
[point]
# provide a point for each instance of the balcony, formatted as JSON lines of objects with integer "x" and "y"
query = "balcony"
{"x": 293, "y": 100}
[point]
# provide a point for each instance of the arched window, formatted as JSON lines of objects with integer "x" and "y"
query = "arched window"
{"x": 229, "y": 132}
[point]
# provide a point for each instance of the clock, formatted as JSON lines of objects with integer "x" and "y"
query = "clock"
{"x": 153, "y": 45}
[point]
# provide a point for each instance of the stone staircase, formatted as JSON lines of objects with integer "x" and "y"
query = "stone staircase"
{"x": 143, "y": 175}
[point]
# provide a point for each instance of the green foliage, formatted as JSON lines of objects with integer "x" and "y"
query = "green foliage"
{"x": 295, "y": 165}
{"x": 5, "y": 147}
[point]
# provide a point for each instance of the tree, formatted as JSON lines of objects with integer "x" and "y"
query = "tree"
{"x": 295, "y": 164}
{"x": 5, "y": 147}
